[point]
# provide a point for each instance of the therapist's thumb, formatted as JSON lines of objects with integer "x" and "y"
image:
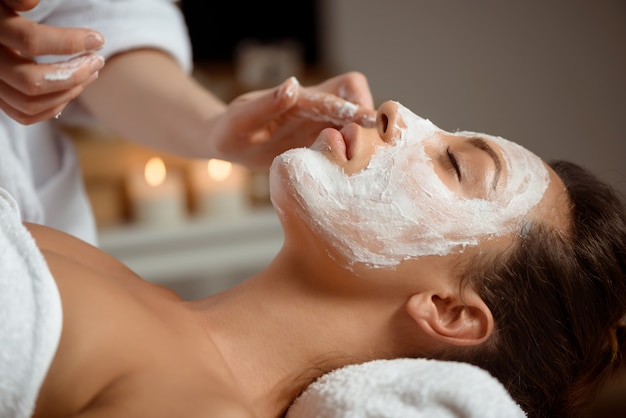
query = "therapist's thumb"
{"x": 286, "y": 94}
{"x": 259, "y": 108}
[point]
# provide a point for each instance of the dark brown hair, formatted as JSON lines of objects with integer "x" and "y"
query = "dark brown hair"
{"x": 558, "y": 299}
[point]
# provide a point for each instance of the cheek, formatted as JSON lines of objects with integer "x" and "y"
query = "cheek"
{"x": 394, "y": 210}
{"x": 420, "y": 197}
{"x": 307, "y": 178}
{"x": 442, "y": 174}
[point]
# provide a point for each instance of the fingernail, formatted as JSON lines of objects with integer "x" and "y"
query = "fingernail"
{"x": 96, "y": 63}
{"x": 94, "y": 41}
{"x": 289, "y": 88}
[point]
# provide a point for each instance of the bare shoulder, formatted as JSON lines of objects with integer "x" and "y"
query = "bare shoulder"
{"x": 128, "y": 348}
{"x": 74, "y": 249}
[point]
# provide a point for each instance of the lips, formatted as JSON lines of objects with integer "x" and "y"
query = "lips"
{"x": 337, "y": 145}
{"x": 331, "y": 143}
{"x": 349, "y": 134}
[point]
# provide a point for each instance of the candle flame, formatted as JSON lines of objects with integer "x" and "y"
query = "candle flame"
{"x": 155, "y": 172}
{"x": 219, "y": 170}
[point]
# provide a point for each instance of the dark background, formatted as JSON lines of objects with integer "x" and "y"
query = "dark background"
{"x": 216, "y": 29}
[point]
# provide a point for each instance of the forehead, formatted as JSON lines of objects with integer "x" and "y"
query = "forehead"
{"x": 554, "y": 208}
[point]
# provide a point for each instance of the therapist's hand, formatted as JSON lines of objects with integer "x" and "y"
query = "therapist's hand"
{"x": 31, "y": 92}
{"x": 259, "y": 125}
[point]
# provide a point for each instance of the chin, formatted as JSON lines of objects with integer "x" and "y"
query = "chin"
{"x": 282, "y": 192}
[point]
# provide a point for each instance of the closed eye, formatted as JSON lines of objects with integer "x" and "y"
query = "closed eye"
{"x": 453, "y": 163}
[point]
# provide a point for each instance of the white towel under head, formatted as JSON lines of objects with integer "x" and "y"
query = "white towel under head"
{"x": 406, "y": 388}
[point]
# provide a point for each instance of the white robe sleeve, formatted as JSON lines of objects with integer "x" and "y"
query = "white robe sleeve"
{"x": 126, "y": 24}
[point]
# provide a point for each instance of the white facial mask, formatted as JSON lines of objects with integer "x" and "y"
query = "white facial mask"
{"x": 397, "y": 208}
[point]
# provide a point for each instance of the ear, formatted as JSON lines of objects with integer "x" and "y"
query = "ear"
{"x": 450, "y": 319}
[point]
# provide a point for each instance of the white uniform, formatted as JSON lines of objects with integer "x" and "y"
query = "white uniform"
{"x": 38, "y": 164}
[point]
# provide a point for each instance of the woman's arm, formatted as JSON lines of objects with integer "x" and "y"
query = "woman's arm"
{"x": 147, "y": 97}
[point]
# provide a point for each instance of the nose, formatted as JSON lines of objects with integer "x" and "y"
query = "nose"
{"x": 387, "y": 122}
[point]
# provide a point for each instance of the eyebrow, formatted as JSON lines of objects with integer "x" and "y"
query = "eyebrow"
{"x": 482, "y": 145}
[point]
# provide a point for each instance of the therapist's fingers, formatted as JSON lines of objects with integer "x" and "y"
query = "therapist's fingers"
{"x": 32, "y": 79}
{"x": 20, "y": 5}
{"x": 26, "y": 110}
{"x": 32, "y": 92}
{"x": 32, "y": 39}
{"x": 351, "y": 86}
{"x": 313, "y": 104}
{"x": 326, "y": 107}
{"x": 26, "y": 119}
{"x": 337, "y": 101}
{"x": 257, "y": 109}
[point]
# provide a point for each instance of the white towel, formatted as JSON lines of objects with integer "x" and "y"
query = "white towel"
{"x": 30, "y": 314}
{"x": 406, "y": 388}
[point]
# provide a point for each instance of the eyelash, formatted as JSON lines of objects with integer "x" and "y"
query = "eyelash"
{"x": 454, "y": 165}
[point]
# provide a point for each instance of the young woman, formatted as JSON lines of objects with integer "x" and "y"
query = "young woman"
{"x": 401, "y": 240}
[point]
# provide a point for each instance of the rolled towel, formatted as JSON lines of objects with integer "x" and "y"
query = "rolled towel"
{"x": 406, "y": 388}
{"x": 30, "y": 314}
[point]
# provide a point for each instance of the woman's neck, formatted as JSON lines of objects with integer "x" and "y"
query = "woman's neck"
{"x": 278, "y": 331}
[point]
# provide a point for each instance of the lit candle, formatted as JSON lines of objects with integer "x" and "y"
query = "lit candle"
{"x": 156, "y": 195}
{"x": 218, "y": 188}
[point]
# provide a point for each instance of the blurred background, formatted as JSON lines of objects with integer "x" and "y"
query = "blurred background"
{"x": 550, "y": 75}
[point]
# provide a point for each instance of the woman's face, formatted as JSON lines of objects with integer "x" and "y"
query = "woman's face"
{"x": 406, "y": 189}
